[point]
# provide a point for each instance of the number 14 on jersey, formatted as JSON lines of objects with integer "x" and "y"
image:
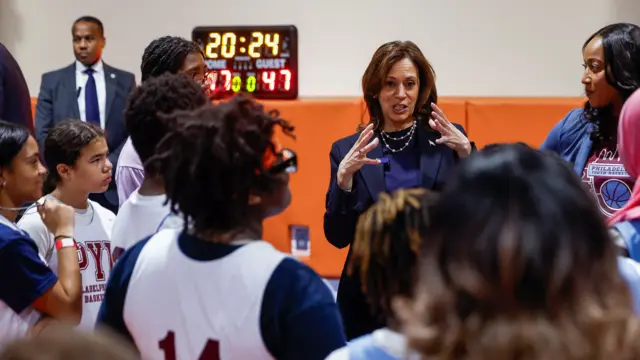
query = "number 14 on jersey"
{"x": 211, "y": 350}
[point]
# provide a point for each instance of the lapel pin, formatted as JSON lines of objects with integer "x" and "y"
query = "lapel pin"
{"x": 432, "y": 143}
{"x": 113, "y": 76}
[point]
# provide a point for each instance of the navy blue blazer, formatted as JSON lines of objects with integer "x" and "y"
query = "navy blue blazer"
{"x": 58, "y": 101}
{"x": 571, "y": 139}
{"x": 343, "y": 209}
{"x": 15, "y": 102}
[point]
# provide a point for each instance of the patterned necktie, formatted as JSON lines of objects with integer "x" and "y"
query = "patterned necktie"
{"x": 92, "y": 110}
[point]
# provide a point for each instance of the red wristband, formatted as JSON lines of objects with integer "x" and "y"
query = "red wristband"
{"x": 65, "y": 242}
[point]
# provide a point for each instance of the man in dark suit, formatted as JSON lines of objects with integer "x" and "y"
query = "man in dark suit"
{"x": 15, "y": 102}
{"x": 89, "y": 90}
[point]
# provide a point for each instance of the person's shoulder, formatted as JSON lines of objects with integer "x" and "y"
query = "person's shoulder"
{"x": 133, "y": 252}
{"x": 9, "y": 234}
{"x": 124, "y": 266}
{"x": 573, "y": 119}
{"x": 296, "y": 300}
{"x": 5, "y": 56}
{"x": 129, "y": 157}
{"x": 54, "y": 74}
{"x": 350, "y": 139}
{"x": 117, "y": 71}
{"x": 346, "y": 142}
{"x": 630, "y": 269}
{"x": 104, "y": 213}
{"x": 128, "y": 147}
{"x": 575, "y": 115}
{"x": 574, "y": 124}
{"x": 127, "y": 206}
{"x": 30, "y": 218}
{"x": 339, "y": 354}
{"x": 172, "y": 221}
{"x": 297, "y": 276}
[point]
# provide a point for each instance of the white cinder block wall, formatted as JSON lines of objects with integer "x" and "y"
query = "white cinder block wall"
{"x": 481, "y": 48}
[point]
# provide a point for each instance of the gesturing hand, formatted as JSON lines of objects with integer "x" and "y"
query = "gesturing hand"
{"x": 57, "y": 217}
{"x": 451, "y": 136}
{"x": 356, "y": 158}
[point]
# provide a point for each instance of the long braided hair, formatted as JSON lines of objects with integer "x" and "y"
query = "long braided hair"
{"x": 211, "y": 161}
{"x": 166, "y": 54}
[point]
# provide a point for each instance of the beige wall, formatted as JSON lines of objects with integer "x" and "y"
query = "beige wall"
{"x": 489, "y": 47}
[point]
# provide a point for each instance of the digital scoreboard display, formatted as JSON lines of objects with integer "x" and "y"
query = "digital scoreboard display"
{"x": 259, "y": 60}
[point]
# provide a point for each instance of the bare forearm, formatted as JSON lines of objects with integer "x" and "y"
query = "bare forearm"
{"x": 70, "y": 278}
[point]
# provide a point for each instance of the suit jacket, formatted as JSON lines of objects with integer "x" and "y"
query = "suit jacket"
{"x": 344, "y": 208}
{"x": 15, "y": 102}
{"x": 58, "y": 101}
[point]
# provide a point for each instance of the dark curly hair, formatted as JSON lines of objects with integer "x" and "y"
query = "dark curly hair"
{"x": 166, "y": 54}
{"x": 159, "y": 95}
{"x": 621, "y": 44}
{"x": 212, "y": 159}
{"x": 64, "y": 144}
{"x": 518, "y": 265}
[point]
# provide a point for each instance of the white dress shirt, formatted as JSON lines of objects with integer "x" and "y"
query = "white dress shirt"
{"x": 101, "y": 87}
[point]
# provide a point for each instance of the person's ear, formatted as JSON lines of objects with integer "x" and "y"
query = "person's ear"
{"x": 3, "y": 180}
{"x": 64, "y": 171}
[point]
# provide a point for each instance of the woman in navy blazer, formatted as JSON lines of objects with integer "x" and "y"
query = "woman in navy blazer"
{"x": 408, "y": 143}
{"x": 587, "y": 137}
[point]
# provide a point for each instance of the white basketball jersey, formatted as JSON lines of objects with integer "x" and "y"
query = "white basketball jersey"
{"x": 92, "y": 234}
{"x": 141, "y": 216}
{"x": 180, "y": 308}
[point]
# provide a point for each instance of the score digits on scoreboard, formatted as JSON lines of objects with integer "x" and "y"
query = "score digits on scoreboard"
{"x": 260, "y": 60}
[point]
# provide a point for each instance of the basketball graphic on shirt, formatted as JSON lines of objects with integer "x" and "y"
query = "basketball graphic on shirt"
{"x": 608, "y": 181}
{"x": 615, "y": 193}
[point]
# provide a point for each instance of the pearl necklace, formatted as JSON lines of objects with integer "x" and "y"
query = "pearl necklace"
{"x": 408, "y": 135}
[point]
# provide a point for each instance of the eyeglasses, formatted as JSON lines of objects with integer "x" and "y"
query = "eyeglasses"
{"x": 287, "y": 162}
{"x": 202, "y": 79}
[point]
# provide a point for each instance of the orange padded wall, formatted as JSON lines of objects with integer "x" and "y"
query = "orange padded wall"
{"x": 319, "y": 123}
{"x": 529, "y": 120}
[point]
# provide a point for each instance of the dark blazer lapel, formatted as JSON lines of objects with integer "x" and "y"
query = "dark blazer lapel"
{"x": 373, "y": 175}
{"x": 111, "y": 83}
{"x": 430, "y": 156}
{"x": 70, "y": 89}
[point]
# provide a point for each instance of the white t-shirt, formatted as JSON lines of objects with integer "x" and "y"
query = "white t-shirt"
{"x": 92, "y": 233}
{"x": 142, "y": 216}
